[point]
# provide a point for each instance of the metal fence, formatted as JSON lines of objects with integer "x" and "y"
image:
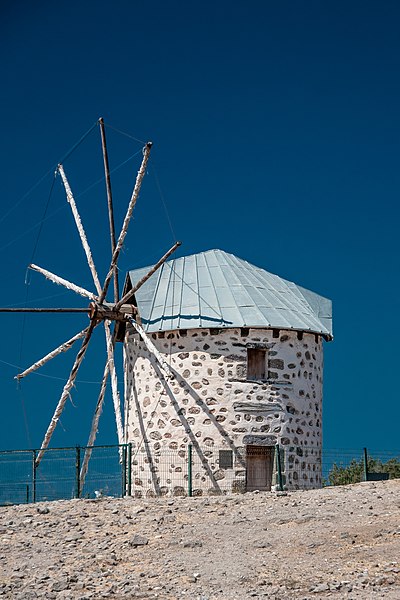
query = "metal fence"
{"x": 342, "y": 467}
{"x": 190, "y": 470}
{"x": 57, "y": 476}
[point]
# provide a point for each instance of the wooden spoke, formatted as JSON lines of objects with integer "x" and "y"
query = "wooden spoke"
{"x": 95, "y": 426}
{"x": 114, "y": 383}
{"x": 151, "y": 347}
{"x": 110, "y": 367}
{"x": 66, "y": 391}
{"x": 81, "y": 231}
{"x": 127, "y": 219}
{"x": 60, "y": 281}
{"x": 110, "y": 204}
{"x": 139, "y": 284}
{"x": 62, "y": 348}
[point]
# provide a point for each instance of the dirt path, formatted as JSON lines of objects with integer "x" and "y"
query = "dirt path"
{"x": 341, "y": 542}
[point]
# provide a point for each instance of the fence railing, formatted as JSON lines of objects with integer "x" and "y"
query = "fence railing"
{"x": 185, "y": 471}
{"x": 57, "y": 476}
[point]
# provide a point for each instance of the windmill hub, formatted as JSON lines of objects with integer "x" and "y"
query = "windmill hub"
{"x": 100, "y": 312}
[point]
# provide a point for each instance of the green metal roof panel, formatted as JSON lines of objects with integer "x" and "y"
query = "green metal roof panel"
{"x": 217, "y": 289}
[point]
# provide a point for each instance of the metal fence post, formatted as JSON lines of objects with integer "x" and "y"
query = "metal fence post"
{"x": 77, "y": 472}
{"x": 279, "y": 468}
{"x": 190, "y": 471}
{"x": 129, "y": 470}
{"x": 365, "y": 464}
{"x": 27, "y": 493}
{"x": 34, "y": 475}
{"x": 124, "y": 477}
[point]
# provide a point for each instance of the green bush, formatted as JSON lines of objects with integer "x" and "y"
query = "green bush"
{"x": 354, "y": 471}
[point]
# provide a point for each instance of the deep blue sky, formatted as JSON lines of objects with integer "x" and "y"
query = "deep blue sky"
{"x": 276, "y": 135}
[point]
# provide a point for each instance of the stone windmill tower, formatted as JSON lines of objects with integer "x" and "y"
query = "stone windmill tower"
{"x": 245, "y": 350}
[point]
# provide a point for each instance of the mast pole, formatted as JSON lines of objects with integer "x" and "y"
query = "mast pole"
{"x": 110, "y": 204}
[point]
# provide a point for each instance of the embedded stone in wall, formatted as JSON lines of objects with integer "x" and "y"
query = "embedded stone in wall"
{"x": 259, "y": 440}
{"x": 218, "y": 475}
{"x": 276, "y": 363}
{"x": 241, "y": 372}
{"x": 257, "y": 407}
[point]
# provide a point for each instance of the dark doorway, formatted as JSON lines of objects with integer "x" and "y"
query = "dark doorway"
{"x": 259, "y": 468}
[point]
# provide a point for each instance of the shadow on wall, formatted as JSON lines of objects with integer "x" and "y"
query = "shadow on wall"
{"x": 186, "y": 425}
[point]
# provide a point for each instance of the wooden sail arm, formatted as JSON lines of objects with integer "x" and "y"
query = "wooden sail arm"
{"x": 110, "y": 204}
{"x": 95, "y": 426}
{"x": 128, "y": 216}
{"x": 65, "y": 393}
{"x": 62, "y": 348}
{"x": 99, "y": 409}
{"x": 60, "y": 281}
{"x": 125, "y": 299}
{"x": 110, "y": 344}
{"x": 80, "y": 228}
{"x": 151, "y": 347}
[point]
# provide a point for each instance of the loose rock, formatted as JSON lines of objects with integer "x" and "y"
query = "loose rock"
{"x": 314, "y": 544}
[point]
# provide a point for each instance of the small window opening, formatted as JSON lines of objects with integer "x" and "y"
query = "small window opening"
{"x": 225, "y": 459}
{"x": 256, "y": 362}
{"x": 275, "y": 333}
{"x": 214, "y": 331}
{"x": 299, "y": 335}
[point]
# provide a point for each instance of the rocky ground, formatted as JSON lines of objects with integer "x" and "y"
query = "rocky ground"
{"x": 341, "y": 542}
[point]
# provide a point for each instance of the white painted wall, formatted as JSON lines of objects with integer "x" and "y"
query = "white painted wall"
{"x": 211, "y": 404}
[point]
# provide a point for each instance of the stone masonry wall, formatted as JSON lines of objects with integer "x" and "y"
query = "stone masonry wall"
{"x": 211, "y": 404}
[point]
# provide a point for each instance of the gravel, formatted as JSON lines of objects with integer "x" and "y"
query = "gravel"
{"x": 341, "y": 542}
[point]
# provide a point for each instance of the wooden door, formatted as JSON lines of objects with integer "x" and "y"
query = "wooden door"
{"x": 259, "y": 467}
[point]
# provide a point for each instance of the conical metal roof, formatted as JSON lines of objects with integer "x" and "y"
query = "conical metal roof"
{"x": 216, "y": 289}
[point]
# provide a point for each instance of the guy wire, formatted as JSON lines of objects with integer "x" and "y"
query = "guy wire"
{"x": 163, "y": 200}
{"x": 28, "y": 193}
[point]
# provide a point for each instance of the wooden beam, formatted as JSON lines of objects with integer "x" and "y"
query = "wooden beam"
{"x": 110, "y": 344}
{"x": 128, "y": 216}
{"x": 110, "y": 204}
{"x": 66, "y": 392}
{"x": 151, "y": 348}
{"x": 62, "y": 348}
{"x": 81, "y": 231}
{"x": 96, "y": 418}
{"x": 60, "y": 281}
{"x": 107, "y": 311}
{"x": 95, "y": 426}
{"x": 139, "y": 284}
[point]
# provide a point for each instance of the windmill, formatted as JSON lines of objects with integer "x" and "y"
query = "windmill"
{"x": 120, "y": 311}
